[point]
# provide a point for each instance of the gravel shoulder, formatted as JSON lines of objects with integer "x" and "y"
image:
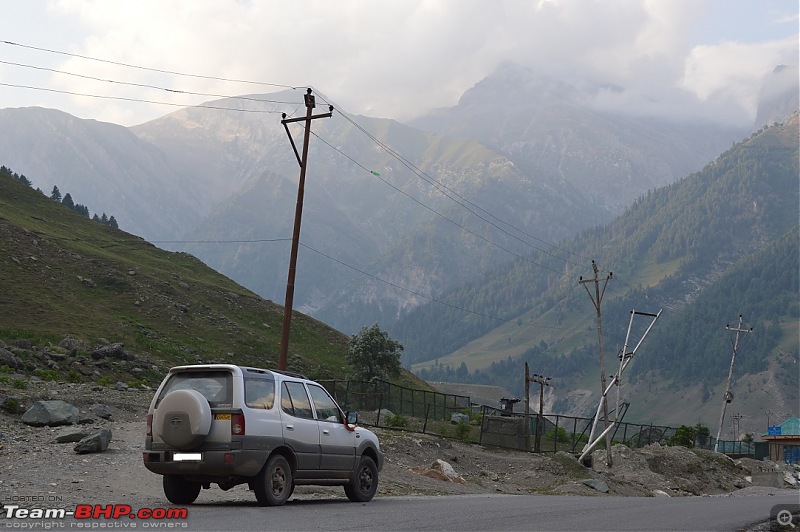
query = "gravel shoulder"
{"x": 32, "y": 465}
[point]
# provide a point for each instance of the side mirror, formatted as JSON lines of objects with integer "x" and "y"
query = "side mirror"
{"x": 351, "y": 417}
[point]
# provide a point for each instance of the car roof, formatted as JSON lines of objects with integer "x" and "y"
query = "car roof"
{"x": 239, "y": 370}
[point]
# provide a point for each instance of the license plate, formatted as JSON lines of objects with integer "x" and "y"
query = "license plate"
{"x": 187, "y": 457}
{"x": 222, "y": 417}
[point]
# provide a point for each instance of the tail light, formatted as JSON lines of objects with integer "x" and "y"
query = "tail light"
{"x": 237, "y": 425}
{"x": 150, "y": 425}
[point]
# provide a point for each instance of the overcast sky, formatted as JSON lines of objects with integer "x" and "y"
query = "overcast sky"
{"x": 389, "y": 58}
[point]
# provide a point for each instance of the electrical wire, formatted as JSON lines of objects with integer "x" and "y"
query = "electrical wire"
{"x": 139, "y": 100}
{"x": 145, "y": 85}
{"x": 128, "y": 65}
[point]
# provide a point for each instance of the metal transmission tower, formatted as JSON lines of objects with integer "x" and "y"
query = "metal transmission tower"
{"x": 310, "y": 102}
{"x": 597, "y": 299}
{"x": 625, "y": 358}
{"x": 728, "y": 396}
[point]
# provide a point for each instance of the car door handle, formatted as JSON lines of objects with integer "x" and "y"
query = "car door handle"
{"x": 326, "y": 431}
{"x": 289, "y": 427}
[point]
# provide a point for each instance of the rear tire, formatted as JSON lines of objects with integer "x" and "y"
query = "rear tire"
{"x": 179, "y": 490}
{"x": 365, "y": 481}
{"x": 274, "y": 485}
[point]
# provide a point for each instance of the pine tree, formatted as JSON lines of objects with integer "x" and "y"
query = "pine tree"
{"x": 55, "y": 194}
{"x": 67, "y": 201}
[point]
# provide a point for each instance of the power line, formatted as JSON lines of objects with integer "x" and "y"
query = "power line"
{"x": 143, "y": 85}
{"x": 128, "y": 65}
{"x": 437, "y": 213}
{"x": 139, "y": 100}
{"x": 462, "y": 201}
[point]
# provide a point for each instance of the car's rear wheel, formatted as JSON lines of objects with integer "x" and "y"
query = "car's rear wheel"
{"x": 364, "y": 483}
{"x": 273, "y": 485}
{"x": 179, "y": 490}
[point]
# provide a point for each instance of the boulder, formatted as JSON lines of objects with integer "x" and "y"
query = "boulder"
{"x": 458, "y": 417}
{"x": 100, "y": 410}
{"x": 70, "y": 435}
{"x": 440, "y": 470}
{"x": 50, "y": 414}
{"x": 596, "y": 484}
{"x": 96, "y": 442}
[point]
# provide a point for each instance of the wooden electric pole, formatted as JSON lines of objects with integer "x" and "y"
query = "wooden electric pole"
{"x": 728, "y": 396}
{"x": 298, "y": 215}
{"x": 597, "y": 299}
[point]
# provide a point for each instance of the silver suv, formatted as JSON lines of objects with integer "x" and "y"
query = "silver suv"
{"x": 273, "y": 430}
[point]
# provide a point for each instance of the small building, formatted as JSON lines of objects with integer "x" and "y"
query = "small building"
{"x": 784, "y": 441}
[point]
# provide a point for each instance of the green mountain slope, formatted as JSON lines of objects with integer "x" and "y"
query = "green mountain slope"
{"x": 665, "y": 252}
{"x": 62, "y": 275}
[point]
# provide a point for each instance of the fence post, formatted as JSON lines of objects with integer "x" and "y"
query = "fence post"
{"x": 425, "y": 423}
{"x": 380, "y": 407}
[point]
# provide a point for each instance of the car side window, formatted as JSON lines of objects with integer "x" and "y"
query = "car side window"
{"x": 323, "y": 403}
{"x": 294, "y": 400}
{"x": 259, "y": 393}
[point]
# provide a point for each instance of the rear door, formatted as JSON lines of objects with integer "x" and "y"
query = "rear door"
{"x": 300, "y": 429}
{"x": 337, "y": 443}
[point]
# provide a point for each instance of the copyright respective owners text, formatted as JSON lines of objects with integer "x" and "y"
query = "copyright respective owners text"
{"x": 786, "y": 516}
{"x": 51, "y": 512}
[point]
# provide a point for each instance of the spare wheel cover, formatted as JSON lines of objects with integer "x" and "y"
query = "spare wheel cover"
{"x": 184, "y": 417}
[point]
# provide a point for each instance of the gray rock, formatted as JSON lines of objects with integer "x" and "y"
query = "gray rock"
{"x": 70, "y": 435}
{"x": 458, "y": 417}
{"x": 50, "y": 414}
{"x": 101, "y": 410}
{"x": 96, "y": 442}
{"x": 660, "y": 493}
{"x": 11, "y": 406}
{"x": 596, "y": 484}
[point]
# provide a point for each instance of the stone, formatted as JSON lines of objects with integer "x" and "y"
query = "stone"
{"x": 101, "y": 410}
{"x": 70, "y": 435}
{"x": 596, "y": 484}
{"x": 440, "y": 470}
{"x": 96, "y": 442}
{"x": 660, "y": 493}
{"x": 458, "y": 417}
{"x": 50, "y": 414}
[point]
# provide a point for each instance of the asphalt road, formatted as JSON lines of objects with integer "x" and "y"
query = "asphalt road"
{"x": 497, "y": 513}
{"x": 461, "y": 513}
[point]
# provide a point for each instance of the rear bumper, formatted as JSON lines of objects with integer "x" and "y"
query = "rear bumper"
{"x": 217, "y": 463}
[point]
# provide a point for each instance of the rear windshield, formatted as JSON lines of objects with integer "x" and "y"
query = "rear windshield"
{"x": 215, "y": 385}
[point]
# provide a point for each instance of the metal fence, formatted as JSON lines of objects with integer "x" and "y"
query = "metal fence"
{"x": 380, "y": 403}
{"x": 386, "y": 405}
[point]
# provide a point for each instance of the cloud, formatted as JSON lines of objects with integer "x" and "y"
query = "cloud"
{"x": 400, "y": 58}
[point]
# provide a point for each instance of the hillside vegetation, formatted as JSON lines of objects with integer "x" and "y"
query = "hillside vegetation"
{"x": 64, "y": 276}
{"x": 718, "y": 243}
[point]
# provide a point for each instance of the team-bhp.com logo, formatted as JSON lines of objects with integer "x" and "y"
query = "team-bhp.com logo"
{"x": 95, "y": 511}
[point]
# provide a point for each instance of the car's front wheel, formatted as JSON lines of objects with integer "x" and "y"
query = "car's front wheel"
{"x": 179, "y": 490}
{"x": 273, "y": 484}
{"x": 364, "y": 483}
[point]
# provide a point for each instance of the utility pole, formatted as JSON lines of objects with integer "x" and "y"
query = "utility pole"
{"x": 736, "y": 425}
{"x": 728, "y": 396}
{"x": 542, "y": 381}
{"x": 310, "y": 102}
{"x": 597, "y": 299}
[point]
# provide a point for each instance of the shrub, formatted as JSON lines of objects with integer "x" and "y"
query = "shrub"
{"x": 19, "y": 384}
{"x": 47, "y": 374}
{"x": 396, "y": 420}
{"x": 463, "y": 430}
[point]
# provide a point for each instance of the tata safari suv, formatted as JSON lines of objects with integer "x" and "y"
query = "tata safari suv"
{"x": 272, "y": 430}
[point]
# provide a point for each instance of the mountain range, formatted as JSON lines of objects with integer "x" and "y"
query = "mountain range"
{"x": 414, "y": 226}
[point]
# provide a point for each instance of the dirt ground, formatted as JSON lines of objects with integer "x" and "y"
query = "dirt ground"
{"x": 34, "y": 468}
